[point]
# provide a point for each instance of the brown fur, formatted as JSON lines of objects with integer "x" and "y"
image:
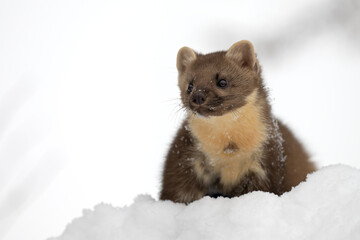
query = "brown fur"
{"x": 229, "y": 144}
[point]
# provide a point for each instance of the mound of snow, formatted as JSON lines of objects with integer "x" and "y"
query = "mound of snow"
{"x": 326, "y": 206}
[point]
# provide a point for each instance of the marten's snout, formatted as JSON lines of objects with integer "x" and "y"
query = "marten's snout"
{"x": 198, "y": 98}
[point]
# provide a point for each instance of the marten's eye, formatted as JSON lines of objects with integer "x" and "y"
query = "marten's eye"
{"x": 190, "y": 88}
{"x": 222, "y": 83}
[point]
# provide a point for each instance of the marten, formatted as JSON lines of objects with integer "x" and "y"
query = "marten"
{"x": 230, "y": 143}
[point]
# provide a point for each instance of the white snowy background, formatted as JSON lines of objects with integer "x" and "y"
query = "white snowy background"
{"x": 89, "y": 98}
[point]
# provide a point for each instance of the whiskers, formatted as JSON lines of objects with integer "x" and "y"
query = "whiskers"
{"x": 178, "y": 109}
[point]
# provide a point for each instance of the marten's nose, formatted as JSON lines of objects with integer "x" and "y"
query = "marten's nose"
{"x": 198, "y": 98}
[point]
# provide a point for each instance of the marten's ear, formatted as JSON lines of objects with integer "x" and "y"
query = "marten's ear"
{"x": 184, "y": 57}
{"x": 243, "y": 53}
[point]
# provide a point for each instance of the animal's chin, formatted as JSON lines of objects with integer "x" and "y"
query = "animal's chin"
{"x": 205, "y": 111}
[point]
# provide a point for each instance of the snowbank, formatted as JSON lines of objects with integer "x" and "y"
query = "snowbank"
{"x": 326, "y": 206}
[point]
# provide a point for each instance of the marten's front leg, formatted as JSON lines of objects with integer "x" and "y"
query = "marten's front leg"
{"x": 179, "y": 181}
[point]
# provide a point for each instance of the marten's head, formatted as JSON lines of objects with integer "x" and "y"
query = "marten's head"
{"x": 217, "y": 83}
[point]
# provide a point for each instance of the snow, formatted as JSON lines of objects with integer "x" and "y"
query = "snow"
{"x": 326, "y": 206}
